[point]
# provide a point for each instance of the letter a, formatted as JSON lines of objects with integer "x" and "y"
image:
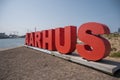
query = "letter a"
{"x": 27, "y": 38}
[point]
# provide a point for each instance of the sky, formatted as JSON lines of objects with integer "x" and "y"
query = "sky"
{"x": 21, "y": 16}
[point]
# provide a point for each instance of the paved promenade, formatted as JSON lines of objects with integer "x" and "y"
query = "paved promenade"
{"x": 27, "y": 64}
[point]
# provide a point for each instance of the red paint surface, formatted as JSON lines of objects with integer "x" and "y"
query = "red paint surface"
{"x": 95, "y": 47}
{"x": 38, "y": 39}
{"x": 49, "y": 39}
{"x": 27, "y": 40}
{"x": 32, "y": 39}
{"x": 65, "y": 39}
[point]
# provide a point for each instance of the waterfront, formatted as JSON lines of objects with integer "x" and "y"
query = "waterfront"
{"x": 11, "y": 43}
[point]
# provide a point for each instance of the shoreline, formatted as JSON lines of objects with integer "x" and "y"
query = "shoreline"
{"x": 107, "y": 58}
{"x": 3, "y": 49}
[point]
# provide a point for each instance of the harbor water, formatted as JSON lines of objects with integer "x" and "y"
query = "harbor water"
{"x": 11, "y": 42}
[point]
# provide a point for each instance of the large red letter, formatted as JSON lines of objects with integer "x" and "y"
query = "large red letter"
{"x": 65, "y": 39}
{"x": 95, "y": 47}
{"x": 38, "y": 39}
{"x": 27, "y": 38}
{"x": 49, "y": 39}
{"x": 32, "y": 39}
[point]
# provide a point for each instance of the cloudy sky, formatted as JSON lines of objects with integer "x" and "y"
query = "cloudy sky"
{"x": 24, "y": 15}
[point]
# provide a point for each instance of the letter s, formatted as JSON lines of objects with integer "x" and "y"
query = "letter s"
{"x": 94, "y": 46}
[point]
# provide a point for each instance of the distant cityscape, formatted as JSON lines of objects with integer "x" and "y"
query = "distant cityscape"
{"x": 5, "y": 36}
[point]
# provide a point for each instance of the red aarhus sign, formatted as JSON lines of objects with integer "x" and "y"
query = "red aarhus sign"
{"x": 64, "y": 40}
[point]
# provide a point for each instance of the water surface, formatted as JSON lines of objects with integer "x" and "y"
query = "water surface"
{"x": 11, "y": 43}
